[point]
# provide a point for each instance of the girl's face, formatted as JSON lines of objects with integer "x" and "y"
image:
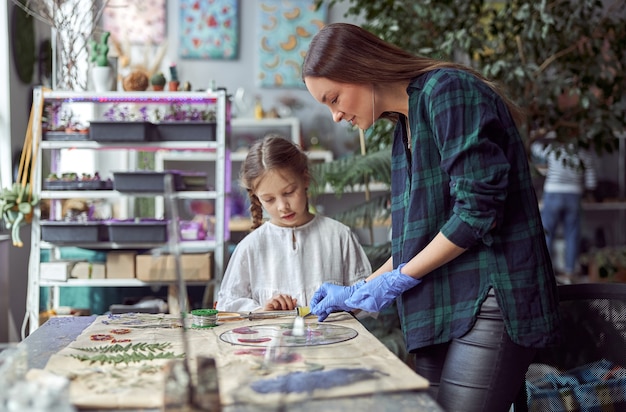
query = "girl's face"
{"x": 283, "y": 196}
{"x": 346, "y": 101}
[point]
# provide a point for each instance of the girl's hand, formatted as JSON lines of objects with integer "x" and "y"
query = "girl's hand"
{"x": 280, "y": 302}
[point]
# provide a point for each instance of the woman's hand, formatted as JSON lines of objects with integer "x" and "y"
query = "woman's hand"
{"x": 280, "y": 302}
{"x": 331, "y": 298}
{"x": 381, "y": 291}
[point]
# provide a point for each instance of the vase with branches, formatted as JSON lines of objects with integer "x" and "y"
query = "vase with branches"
{"x": 73, "y": 23}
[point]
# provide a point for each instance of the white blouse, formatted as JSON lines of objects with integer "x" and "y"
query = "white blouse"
{"x": 275, "y": 260}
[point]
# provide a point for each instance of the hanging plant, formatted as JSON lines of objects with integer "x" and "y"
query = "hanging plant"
{"x": 17, "y": 209}
{"x": 17, "y": 202}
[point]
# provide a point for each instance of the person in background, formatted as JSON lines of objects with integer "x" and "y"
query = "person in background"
{"x": 283, "y": 261}
{"x": 469, "y": 268}
{"x": 570, "y": 174}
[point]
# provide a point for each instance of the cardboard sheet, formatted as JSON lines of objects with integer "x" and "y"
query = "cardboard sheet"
{"x": 253, "y": 371}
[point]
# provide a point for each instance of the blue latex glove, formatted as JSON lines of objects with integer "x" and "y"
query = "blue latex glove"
{"x": 381, "y": 291}
{"x": 331, "y": 298}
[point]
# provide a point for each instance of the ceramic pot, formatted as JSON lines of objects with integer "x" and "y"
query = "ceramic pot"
{"x": 102, "y": 78}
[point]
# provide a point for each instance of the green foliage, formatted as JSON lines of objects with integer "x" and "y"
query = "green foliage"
{"x": 561, "y": 62}
{"x": 158, "y": 79}
{"x": 357, "y": 173}
{"x": 16, "y": 206}
{"x": 100, "y": 50}
{"x": 126, "y": 354}
{"x": 542, "y": 53}
{"x": 350, "y": 171}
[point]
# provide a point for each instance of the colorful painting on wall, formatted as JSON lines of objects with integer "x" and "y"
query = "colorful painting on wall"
{"x": 209, "y": 29}
{"x": 135, "y": 22}
{"x": 285, "y": 31}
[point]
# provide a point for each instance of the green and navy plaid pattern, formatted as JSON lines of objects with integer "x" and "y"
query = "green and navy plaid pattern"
{"x": 466, "y": 174}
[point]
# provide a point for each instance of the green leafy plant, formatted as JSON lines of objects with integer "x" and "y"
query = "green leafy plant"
{"x": 100, "y": 50}
{"x": 357, "y": 172}
{"x": 17, "y": 205}
{"x": 126, "y": 354}
{"x": 610, "y": 262}
{"x": 562, "y": 62}
{"x": 158, "y": 79}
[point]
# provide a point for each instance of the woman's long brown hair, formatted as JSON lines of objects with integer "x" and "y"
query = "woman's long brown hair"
{"x": 347, "y": 53}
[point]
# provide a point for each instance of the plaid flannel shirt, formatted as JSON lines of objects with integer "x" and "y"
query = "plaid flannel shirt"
{"x": 466, "y": 174}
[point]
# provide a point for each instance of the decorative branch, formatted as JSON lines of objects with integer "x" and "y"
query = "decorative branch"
{"x": 547, "y": 62}
{"x": 73, "y": 23}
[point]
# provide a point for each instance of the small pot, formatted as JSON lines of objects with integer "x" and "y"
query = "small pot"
{"x": 158, "y": 87}
{"x": 173, "y": 85}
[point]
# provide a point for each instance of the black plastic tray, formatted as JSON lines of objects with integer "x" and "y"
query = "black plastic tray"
{"x": 186, "y": 131}
{"x": 114, "y": 131}
{"x": 132, "y": 231}
{"x": 145, "y": 181}
{"x": 77, "y": 185}
{"x": 58, "y": 231}
{"x": 65, "y": 136}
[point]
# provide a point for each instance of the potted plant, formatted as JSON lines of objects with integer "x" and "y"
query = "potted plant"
{"x": 16, "y": 203}
{"x": 102, "y": 78}
{"x": 158, "y": 81}
{"x": 606, "y": 264}
{"x": 186, "y": 123}
{"x": 174, "y": 82}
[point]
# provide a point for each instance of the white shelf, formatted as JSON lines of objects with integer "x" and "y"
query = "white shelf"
{"x": 90, "y": 144}
{"x": 293, "y": 122}
{"x": 238, "y": 156}
{"x": 114, "y": 194}
{"x": 599, "y": 206}
{"x": 130, "y": 96}
{"x": 186, "y": 246}
{"x": 373, "y": 187}
{"x": 251, "y": 123}
{"x": 108, "y": 283}
{"x": 87, "y": 104}
{"x": 604, "y": 206}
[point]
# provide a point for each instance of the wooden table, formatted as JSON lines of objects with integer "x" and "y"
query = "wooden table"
{"x": 57, "y": 333}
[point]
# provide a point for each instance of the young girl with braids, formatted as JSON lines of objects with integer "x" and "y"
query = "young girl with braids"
{"x": 283, "y": 261}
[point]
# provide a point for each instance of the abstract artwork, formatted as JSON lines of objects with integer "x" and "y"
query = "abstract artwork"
{"x": 135, "y": 22}
{"x": 285, "y": 30}
{"x": 209, "y": 29}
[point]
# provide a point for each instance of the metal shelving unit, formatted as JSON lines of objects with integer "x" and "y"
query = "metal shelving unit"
{"x": 94, "y": 101}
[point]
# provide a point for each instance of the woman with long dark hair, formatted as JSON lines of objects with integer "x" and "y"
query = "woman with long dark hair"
{"x": 469, "y": 268}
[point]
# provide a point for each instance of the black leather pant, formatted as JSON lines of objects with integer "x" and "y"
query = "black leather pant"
{"x": 481, "y": 371}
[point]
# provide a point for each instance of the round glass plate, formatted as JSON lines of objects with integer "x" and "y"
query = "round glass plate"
{"x": 280, "y": 334}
